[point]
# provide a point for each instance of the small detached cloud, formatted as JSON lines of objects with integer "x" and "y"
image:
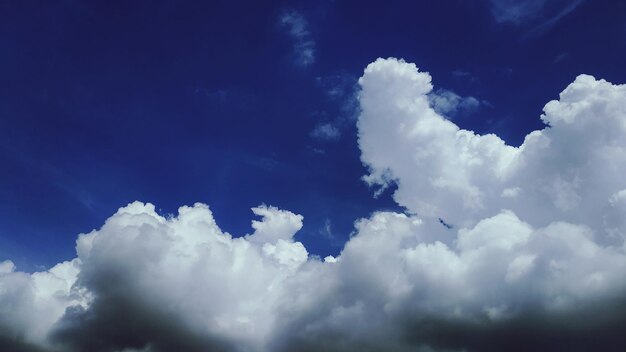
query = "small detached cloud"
{"x": 461, "y": 74}
{"x": 341, "y": 91}
{"x": 339, "y": 86}
{"x": 326, "y": 132}
{"x": 327, "y": 230}
{"x": 297, "y": 28}
{"x": 516, "y": 11}
{"x": 560, "y": 58}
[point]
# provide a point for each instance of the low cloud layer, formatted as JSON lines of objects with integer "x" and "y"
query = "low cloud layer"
{"x": 535, "y": 257}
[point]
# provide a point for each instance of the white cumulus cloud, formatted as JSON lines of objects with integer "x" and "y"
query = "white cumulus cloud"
{"x": 535, "y": 258}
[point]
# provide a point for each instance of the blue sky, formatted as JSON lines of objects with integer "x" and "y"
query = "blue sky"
{"x": 312, "y": 176}
{"x": 237, "y": 104}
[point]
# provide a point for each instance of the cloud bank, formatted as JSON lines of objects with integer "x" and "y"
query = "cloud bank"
{"x": 535, "y": 258}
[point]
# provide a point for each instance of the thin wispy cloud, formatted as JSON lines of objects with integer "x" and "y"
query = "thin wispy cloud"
{"x": 297, "y": 28}
{"x": 552, "y": 21}
{"x": 340, "y": 90}
{"x": 516, "y": 11}
{"x": 539, "y": 15}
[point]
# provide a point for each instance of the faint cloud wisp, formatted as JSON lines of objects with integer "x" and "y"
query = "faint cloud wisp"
{"x": 541, "y": 14}
{"x": 303, "y": 44}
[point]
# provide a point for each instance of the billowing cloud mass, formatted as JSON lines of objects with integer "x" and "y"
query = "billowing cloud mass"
{"x": 535, "y": 258}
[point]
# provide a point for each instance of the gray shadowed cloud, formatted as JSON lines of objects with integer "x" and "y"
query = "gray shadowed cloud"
{"x": 447, "y": 103}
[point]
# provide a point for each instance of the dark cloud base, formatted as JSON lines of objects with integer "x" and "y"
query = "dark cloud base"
{"x": 577, "y": 331}
{"x": 118, "y": 322}
{"x": 16, "y": 344}
{"x": 597, "y": 328}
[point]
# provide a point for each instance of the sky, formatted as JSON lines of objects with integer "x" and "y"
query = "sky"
{"x": 329, "y": 175}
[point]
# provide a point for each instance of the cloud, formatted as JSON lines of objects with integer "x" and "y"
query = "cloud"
{"x": 535, "y": 258}
{"x": 448, "y": 103}
{"x": 340, "y": 87}
{"x": 542, "y": 14}
{"x": 180, "y": 283}
{"x": 303, "y": 44}
{"x": 461, "y": 74}
{"x": 32, "y": 303}
{"x": 340, "y": 90}
{"x": 327, "y": 230}
{"x": 326, "y": 132}
{"x": 567, "y": 171}
{"x": 516, "y": 11}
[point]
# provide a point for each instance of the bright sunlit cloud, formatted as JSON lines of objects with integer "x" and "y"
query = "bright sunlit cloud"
{"x": 537, "y": 239}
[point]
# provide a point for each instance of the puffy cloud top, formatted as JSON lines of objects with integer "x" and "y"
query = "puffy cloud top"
{"x": 535, "y": 259}
{"x": 568, "y": 171}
